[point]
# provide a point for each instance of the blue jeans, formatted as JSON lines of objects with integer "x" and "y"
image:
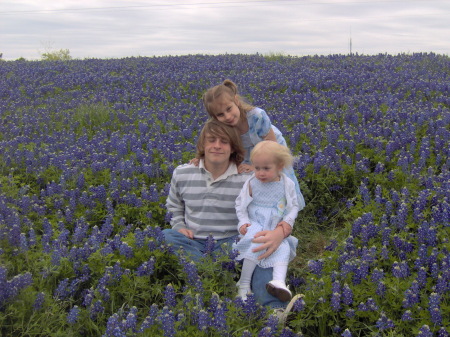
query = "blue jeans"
{"x": 196, "y": 248}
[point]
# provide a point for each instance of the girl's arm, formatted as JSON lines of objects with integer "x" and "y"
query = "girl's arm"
{"x": 271, "y": 135}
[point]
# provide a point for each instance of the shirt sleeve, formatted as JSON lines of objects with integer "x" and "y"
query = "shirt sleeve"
{"x": 292, "y": 203}
{"x": 242, "y": 202}
{"x": 175, "y": 205}
{"x": 259, "y": 123}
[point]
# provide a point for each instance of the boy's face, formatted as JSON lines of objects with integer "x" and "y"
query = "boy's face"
{"x": 217, "y": 150}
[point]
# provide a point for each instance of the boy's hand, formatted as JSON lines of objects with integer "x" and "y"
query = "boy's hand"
{"x": 187, "y": 232}
{"x": 270, "y": 241}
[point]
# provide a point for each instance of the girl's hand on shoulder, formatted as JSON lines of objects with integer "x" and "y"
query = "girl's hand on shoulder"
{"x": 244, "y": 168}
{"x": 194, "y": 161}
{"x": 243, "y": 228}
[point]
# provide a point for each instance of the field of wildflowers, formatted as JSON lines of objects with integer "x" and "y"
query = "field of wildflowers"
{"x": 87, "y": 148}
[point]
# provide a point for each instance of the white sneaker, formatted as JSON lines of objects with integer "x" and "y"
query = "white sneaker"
{"x": 279, "y": 290}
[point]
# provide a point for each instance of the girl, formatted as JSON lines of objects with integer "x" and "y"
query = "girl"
{"x": 267, "y": 200}
{"x": 223, "y": 103}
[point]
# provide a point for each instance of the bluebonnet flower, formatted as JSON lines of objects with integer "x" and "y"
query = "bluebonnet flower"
{"x": 203, "y": 320}
{"x": 335, "y": 301}
{"x": 350, "y": 313}
{"x": 412, "y": 295}
{"x": 442, "y": 332}
{"x": 219, "y": 318}
{"x": 316, "y": 266}
{"x": 425, "y": 331}
{"x": 114, "y": 326}
{"x": 347, "y": 295}
{"x": 126, "y": 250}
{"x": 299, "y": 304}
{"x": 209, "y": 245}
{"x": 31, "y": 237}
{"x": 400, "y": 270}
{"x": 88, "y": 297}
{"x": 363, "y": 190}
{"x": 150, "y": 319}
{"x": 61, "y": 291}
{"x": 384, "y": 323}
{"x": 39, "y": 301}
{"x": 346, "y": 333}
{"x": 96, "y": 309}
{"x": 435, "y": 309}
{"x": 131, "y": 320}
{"x": 381, "y": 289}
{"x": 72, "y": 316}
{"x": 407, "y": 316}
{"x": 169, "y": 296}
{"x": 286, "y": 332}
{"x": 443, "y": 283}
{"x": 191, "y": 271}
{"x": 266, "y": 332}
{"x": 146, "y": 268}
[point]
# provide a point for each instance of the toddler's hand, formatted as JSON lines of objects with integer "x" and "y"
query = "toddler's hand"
{"x": 243, "y": 229}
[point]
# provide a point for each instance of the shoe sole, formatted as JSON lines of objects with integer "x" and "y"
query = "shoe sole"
{"x": 281, "y": 294}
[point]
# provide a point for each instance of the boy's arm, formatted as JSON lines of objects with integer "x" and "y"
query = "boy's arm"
{"x": 175, "y": 205}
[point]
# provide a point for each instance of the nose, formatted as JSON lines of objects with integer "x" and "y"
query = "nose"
{"x": 217, "y": 143}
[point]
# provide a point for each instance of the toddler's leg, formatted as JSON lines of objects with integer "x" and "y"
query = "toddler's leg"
{"x": 277, "y": 287}
{"x": 246, "y": 277}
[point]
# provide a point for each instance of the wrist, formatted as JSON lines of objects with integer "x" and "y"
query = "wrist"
{"x": 285, "y": 232}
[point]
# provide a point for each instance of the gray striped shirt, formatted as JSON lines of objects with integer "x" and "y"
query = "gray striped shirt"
{"x": 203, "y": 205}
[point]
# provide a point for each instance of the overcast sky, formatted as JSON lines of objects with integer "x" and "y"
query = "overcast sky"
{"x": 116, "y": 29}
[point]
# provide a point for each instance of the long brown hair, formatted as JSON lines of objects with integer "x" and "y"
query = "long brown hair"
{"x": 218, "y": 129}
{"x": 230, "y": 88}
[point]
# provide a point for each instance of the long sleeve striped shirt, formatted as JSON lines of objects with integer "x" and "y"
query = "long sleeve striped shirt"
{"x": 204, "y": 205}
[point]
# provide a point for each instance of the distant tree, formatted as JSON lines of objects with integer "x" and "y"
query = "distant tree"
{"x": 56, "y": 55}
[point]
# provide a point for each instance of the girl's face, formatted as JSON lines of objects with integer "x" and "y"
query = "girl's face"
{"x": 226, "y": 110}
{"x": 266, "y": 168}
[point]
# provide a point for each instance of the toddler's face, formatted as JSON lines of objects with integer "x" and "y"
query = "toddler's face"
{"x": 266, "y": 169}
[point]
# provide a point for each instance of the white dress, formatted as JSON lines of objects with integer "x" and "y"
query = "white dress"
{"x": 269, "y": 204}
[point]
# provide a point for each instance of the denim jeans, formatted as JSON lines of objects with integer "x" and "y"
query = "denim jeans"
{"x": 195, "y": 249}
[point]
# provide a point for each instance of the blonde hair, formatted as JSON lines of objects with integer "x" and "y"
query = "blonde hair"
{"x": 230, "y": 88}
{"x": 281, "y": 153}
{"x": 218, "y": 129}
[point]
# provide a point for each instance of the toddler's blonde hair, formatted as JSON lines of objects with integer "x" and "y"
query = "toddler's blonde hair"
{"x": 281, "y": 153}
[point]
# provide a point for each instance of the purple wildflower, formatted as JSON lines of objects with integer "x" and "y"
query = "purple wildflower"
{"x": 425, "y": 331}
{"x": 169, "y": 296}
{"x": 384, "y": 323}
{"x": 346, "y": 333}
{"x": 72, "y": 316}
{"x": 39, "y": 301}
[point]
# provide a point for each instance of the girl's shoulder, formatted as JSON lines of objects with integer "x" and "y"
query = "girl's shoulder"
{"x": 255, "y": 112}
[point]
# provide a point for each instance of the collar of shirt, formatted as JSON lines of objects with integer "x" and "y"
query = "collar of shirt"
{"x": 231, "y": 170}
